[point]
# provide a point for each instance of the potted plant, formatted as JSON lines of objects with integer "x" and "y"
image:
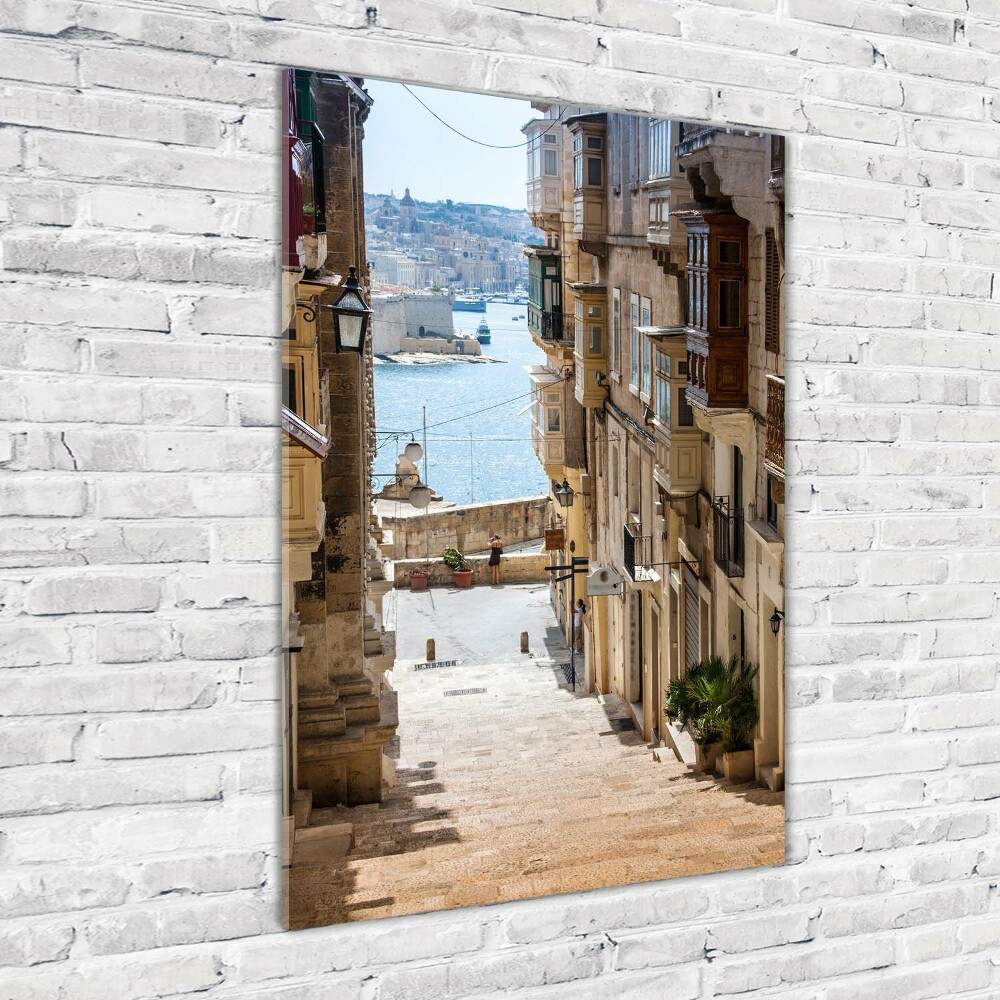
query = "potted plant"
{"x": 716, "y": 700}
{"x": 456, "y": 562}
{"x": 419, "y": 578}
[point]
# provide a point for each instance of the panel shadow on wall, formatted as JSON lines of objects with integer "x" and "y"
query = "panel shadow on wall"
{"x": 533, "y": 504}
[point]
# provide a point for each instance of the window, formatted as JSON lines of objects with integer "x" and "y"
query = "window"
{"x": 578, "y": 326}
{"x": 289, "y": 388}
{"x": 729, "y": 304}
{"x": 553, "y": 423}
{"x": 647, "y": 311}
{"x": 634, "y": 382}
{"x": 772, "y": 504}
{"x": 772, "y": 292}
{"x": 685, "y": 415}
{"x": 595, "y": 171}
{"x": 661, "y": 401}
{"x": 616, "y": 331}
{"x": 551, "y": 162}
{"x": 729, "y": 252}
{"x": 595, "y": 346}
{"x": 614, "y": 471}
{"x": 659, "y": 148}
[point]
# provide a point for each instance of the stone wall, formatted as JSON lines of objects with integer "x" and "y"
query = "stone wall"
{"x": 521, "y": 567}
{"x": 467, "y": 527}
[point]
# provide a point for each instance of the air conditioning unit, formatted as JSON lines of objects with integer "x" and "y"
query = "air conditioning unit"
{"x": 585, "y": 483}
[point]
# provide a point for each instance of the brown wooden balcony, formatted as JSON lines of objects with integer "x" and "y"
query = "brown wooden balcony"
{"x": 717, "y": 371}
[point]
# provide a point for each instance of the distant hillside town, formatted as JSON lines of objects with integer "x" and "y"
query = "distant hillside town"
{"x": 445, "y": 245}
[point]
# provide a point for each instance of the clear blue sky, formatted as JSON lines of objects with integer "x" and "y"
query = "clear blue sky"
{"x": 406, "y": 147}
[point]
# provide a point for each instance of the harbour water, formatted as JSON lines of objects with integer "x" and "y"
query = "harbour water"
{"x": 478, "y": 426}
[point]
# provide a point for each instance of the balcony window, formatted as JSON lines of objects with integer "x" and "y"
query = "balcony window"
{"x": 661, "y": 400}
{"x": 553, "y": 424}
{"x": 730, "y": 314}
{"x": 685, "y": 415}
{"x": 646, "y": 348}
{"x": 616, "y": 331}
{"x": 659, "y": 148}
{"x": 595, "y": 346}
{"x": 634, "y": 383}
{"x": 730, "y": 252}
{"x": 551, "y": 165}
{"x": 772, "y": 503}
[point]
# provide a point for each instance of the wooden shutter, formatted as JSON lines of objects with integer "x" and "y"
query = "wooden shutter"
{"x": 772, "y": 310}
{"x": 692, "y": 620}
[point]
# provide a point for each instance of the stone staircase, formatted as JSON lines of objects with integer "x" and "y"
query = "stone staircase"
{"x": 512, "y": 786}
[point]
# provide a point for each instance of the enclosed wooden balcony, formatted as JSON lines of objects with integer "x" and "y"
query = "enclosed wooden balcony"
{"x": 590, "y": 315}
{"x": 677, "y": 465}
{"x": 717, "y": 307}
{"x": 544, "y": 191}
{"x": 590, "y": 209}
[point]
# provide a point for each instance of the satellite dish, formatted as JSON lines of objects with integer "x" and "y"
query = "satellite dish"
{"x": 413, "y": 451}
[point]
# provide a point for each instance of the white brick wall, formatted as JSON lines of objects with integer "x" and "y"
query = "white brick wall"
{"x": 138, "y": 463}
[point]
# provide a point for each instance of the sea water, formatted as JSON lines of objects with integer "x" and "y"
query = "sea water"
{"x": 478, "y": 425}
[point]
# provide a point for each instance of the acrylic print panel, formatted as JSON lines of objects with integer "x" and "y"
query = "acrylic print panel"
{"x": 533, "y": 439}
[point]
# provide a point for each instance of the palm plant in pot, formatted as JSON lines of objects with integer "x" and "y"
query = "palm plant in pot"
{"x": 460, "y": 569}
{"x": 717, "y": 702}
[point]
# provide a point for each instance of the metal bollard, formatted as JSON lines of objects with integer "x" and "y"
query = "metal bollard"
{"x": 524, "y": 642}
{"x": 430, "y": 650}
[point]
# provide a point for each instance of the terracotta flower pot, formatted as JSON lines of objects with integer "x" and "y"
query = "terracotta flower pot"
{"x": 419, "y": 581}
{"x": 463, "y": 578}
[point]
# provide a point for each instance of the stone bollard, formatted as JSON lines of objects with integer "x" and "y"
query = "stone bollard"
{"x": 524, "y": 642}
{"x": 430, "y": 650}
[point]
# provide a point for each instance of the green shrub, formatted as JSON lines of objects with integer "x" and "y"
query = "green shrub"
{"x": 716, "y": 700}
{"x": 454, "y": 560}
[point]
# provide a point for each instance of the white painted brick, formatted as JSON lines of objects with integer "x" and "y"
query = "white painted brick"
{"x": 190, "y": 496}
{"x": 35, "y": 943}
{"x": 247, "y": 541}
{"x": 27, "y": 792}
{"x": 227, "y": 587}
{"x": 892, "y": 252}
{"x": 110, "y": 691}
{"x": 30, "y": 646}
{"x": 37, "y": 742}
{"x": 37, "y": 496}
{"x": 184, "y": 360}
{"x": 199, "y": 732}
{"x": 209, "y": 638}
{"x": 62, "y": 595}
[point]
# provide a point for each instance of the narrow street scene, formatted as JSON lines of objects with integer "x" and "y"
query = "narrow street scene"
{"x": 533, "y": 499}
{"x": 509, "y": 785}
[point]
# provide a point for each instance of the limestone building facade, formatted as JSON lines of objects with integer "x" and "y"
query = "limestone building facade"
{"x": 339, "y": 709}
{"x": 665, "y": 359}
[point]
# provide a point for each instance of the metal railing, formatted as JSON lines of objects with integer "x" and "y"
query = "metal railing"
{"x": 728, "y": 537}
{"x": 637, "y": 552}
{"x": 555, "y": 327}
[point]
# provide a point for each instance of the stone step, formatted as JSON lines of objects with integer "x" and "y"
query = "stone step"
{"x": 323, "y": 722}
{"x": 360, "y": 708}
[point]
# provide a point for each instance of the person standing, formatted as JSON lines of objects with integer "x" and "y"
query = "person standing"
{"x": 496, "y": 551}
{"x": 578, "y": 613}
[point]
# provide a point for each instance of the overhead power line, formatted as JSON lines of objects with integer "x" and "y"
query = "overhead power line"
{"x": 478, "y": 142}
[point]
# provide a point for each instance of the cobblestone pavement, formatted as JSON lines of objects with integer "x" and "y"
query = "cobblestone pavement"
{"x": 510, "y": 786}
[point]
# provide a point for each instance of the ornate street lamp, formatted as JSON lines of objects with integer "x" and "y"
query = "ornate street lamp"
{"x": 351, "y": 315}
{"x": 564, "y": 493}
{"x": 775, "y": 621}
{"x": 420, "y": 496}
